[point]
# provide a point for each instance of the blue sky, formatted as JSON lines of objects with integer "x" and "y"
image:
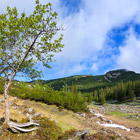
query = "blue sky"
{"x": 99, "y": 35}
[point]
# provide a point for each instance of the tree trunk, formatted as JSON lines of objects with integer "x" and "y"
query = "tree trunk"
{"x": 6, "y": 98}
{"x": 14, "y": 126}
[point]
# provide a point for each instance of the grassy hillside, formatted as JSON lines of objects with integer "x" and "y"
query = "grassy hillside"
{"x": 89, "y": 83}
{"x": 51, "y": 105}
{"x": 68, "y": 121}
{"x": 63, "y": 99}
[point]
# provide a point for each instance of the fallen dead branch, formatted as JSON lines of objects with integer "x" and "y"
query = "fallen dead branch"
{"x": 15, "y": 127}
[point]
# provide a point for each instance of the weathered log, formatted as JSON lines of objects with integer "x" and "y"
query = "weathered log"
{"x": 22, "y": 129}
{"x": 15, "y": 127}
{"x": 22, "y": 124}
{"x": 14, "y": 130}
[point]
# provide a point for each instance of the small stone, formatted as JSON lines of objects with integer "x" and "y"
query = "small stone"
{"x": 15, "y": 97}
{"x": 51, "y": 119}
{"x": 83, "y": 115}
{"x": 36, "y": 114}
{"x": 77, "y": 114}
{"x": 119, "y": 135}
{"x": 27, "y": 114}
{"x": 115, "y": 132}
{"x": 102, "y": 119}
{"x": 1, "y": 100}
{"x": 109, "y": 121}
{"x": 30, "y": 109}
{"x": 15, "y": 107}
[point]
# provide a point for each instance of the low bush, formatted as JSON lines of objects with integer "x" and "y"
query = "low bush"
{"x": 69, "y": 100}
{"x": 67, "y": 134}
{"x": 48, "y": 130}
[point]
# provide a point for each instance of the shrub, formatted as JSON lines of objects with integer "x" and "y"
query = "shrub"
{"x": 69, "y": 100}
{"x": 60, "y": 108}
{"x": 48, "y": 130}
{"x": 67, "y": 134}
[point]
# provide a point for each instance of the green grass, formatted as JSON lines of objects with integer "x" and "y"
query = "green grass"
{"x": 65, "y": 126}
{"x": 124, "y": 115}
{"x": 135, "y": 102}
{"x": 119, "y": 114}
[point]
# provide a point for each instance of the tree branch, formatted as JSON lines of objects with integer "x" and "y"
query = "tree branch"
{"x": 3, "y": 69}
{"x": 26, "y": 54}
{"x": 21, "y": 62}
{"x": 8, "y": 63}
{"x": 11, "y": 66}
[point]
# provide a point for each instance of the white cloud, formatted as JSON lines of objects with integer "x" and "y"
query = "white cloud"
{"x": 94, "y": 67}
{"x": 130, "y": 53}
{"x": 74, "y": 69}
{"x": 86, "y": 31}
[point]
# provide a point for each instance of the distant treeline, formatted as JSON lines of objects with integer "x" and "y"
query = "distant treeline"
{"x": 121, "y": 92}
{"x": 70, "y": 98}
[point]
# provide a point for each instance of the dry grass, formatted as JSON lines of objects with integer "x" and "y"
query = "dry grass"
{"x": 14, "y": 114}
{"x": 67, "y": 119}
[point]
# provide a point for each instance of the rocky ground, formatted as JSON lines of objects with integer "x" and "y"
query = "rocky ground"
{"x": 122, "y": 125}
{"x": 98, "y": 122}
{"x": 129, "y": 111}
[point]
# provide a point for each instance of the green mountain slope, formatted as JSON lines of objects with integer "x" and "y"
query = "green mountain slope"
{"x": 89, "y": 83}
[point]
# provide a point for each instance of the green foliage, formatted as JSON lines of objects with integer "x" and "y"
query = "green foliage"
{"x": 102, "y": 96}
{"x": 82, "y": 83}
{"x": 119, "y": 114}
{"x": 69, "y": 100}
{"x": 121, "y": 92}
{"x": 25, "y": 40}
{"x": 74, "y": 88}
{"x": 60, "y": 108}
{"x": 90, "y": 98}
{"x": 48, "y": 130}
{"x": 114, "y": 137}
{"x": 131, "y": 94}
{"x": 96, "y": 98}
{"x": 102, "y": 136}
{"x": 88, "y": 83}
{"x": 67, "y": 134}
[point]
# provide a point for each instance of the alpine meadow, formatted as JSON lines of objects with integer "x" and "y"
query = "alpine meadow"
{"x": 73, "y": 74}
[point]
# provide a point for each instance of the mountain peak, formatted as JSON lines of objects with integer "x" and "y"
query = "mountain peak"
{"x": 119, "y": 70}
{"x": 121, "y": 74}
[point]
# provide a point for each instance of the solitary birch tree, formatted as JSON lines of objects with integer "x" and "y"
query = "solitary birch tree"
{"x": 24, "y": 41}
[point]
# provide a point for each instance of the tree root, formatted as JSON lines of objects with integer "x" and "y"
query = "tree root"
{"x": 15, "y": 127}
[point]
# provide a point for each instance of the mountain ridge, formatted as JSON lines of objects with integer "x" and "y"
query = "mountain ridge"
{"x": 89, "y": 83}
